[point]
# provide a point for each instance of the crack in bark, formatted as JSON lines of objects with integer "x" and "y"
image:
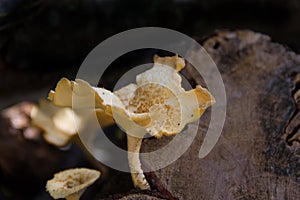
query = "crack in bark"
{"x": 157, "y": 185}
{"x": 292, "y": 132}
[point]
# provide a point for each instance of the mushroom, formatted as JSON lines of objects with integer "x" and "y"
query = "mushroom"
{"x": 57, "y": 123}
{"x": 156, "y": 104}
{"x": 70, "y": 184}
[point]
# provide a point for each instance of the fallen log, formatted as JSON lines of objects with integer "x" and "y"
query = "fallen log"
{"x": 258, "y": 154}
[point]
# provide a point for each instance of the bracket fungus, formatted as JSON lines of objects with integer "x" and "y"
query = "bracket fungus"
{"x": 157, "y": 104}
{"x": 70, "y": 184}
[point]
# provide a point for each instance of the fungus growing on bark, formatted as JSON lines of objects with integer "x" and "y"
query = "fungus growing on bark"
{"x": 156, "y": 104}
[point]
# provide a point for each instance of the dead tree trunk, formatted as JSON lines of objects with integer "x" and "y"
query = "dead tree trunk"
{"x": 258, "y": 154}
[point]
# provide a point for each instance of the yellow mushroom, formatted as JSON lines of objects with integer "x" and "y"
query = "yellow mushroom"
{"x": 61, "y": 124}
{"x": 57, "y": 123}
{"x": 156, "y": 104}
{"x": 70, "y": 184}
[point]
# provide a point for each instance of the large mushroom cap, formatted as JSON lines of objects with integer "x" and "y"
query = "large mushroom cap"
{"x": 159, "y": 93}
{"x": 69, "y": 182}
{"x": 156, "y": 104}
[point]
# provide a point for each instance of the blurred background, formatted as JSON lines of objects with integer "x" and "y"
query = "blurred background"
{"x": 44, "y": 40}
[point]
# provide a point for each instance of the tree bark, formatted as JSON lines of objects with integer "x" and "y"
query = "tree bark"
{"x": 258, "y": 154}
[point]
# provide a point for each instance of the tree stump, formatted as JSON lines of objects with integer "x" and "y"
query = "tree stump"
{"x": 258, "y": 154}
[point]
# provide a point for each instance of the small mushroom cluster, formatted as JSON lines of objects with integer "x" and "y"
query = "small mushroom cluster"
{"x": 58, "y": 125}
{"x": 156, "y": 104}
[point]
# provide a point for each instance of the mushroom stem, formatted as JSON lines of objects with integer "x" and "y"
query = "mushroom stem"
{"x": 137, "y": 174}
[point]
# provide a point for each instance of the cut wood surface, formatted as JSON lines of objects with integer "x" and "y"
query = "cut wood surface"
{"x": 258, "y": 153}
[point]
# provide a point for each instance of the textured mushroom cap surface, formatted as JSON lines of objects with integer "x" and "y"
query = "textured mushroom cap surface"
{"x": 71, "y": 181}
{"x": 156, "y": 104}
{"x": 159, "y": 92}
{"x": 126, "y": 93}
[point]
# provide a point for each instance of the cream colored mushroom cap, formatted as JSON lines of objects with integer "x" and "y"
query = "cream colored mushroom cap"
{"x": 57, "y": 123}
{"x": 159, "y": 93}
{"x": 106, "y": 102}
{"x": 68, "y": 182}
{"x": 156, "y": 104}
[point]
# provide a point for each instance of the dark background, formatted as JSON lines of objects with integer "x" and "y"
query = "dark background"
{"x": 42, "y": 40}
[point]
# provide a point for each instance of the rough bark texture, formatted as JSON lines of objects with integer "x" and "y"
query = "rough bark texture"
{"x": 141, "y": 195}
{"x": 258, "y": 154}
